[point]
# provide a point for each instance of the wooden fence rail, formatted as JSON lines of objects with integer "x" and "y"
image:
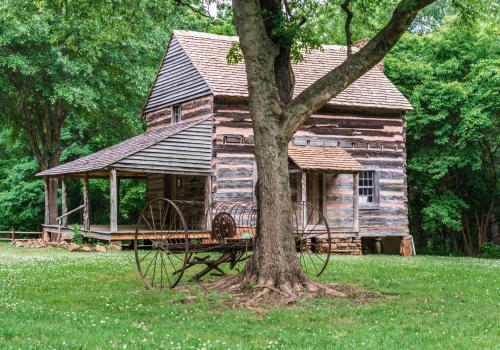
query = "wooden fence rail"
{"x": 13, "y": 233}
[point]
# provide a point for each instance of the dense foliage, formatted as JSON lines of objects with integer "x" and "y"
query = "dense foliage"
{"x": 100, "y": 58}
{"x": 452, "y": 78}
{"x": 91, "y": 62}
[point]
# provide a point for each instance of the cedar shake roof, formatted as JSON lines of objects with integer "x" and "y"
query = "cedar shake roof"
{"x": 208, "y": 54}
{"x": 323, "y": 158}
{"x": 118, "y": 155}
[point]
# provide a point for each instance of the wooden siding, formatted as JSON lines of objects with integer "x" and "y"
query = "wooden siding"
{"x": 155, "y": 186}
{"x": 177, "y": 80}
{"x": 190, "y": 110}
{"x": 187, "y": 152}
{"x": 376, "y": 140}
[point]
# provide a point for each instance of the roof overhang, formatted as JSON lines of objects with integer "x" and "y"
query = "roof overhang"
{"x": 323, "y": 159}
{"x": 184, "y": 148}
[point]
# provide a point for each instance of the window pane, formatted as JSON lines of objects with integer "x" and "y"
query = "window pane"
{"x": 366, "y": 186}
{"x": 176, "y": 114}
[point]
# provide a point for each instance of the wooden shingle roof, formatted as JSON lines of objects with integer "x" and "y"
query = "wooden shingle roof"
{"x": 179, "y": 148}
{"x": 208, "y": 54}
{"x": 324, "y": 159}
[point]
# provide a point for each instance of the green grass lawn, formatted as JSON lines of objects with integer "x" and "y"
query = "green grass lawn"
{"x": 52, "y": 299}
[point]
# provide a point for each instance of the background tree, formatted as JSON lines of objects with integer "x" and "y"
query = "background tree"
{"x": 453, "y": 133}
{"x": 74, "y": 76}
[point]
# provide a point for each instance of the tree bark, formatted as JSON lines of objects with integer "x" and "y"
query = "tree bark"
{"x": 274, "y": 264}
{"x": 43, "y": 122}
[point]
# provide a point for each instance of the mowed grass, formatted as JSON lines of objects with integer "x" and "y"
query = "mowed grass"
{"x": 53, "y": 299}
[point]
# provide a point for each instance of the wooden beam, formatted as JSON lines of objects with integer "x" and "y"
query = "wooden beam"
{"x": 355, "y": 199}
{"x": 113, "y": 197}
{"x": 208, "y": 201}
{"x": 303, "y": 198}
{"x": 255, "y": 177}
{"x": 46, "y": 220}
{"x": 64, "y": 202}
{"x": 324, "y": 193}
{"x": 86, "y": 203}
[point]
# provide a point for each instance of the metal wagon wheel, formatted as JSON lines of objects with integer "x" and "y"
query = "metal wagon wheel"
{"x": 161, "y": 244}
{"x": 312, "y": 238}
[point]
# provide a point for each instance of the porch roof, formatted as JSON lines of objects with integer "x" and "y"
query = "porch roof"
{"x": 183, "y": 148}
{"x": 323, "y": 158}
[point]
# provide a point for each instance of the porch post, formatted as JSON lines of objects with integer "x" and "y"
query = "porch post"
{"x": 355, "y": 195}
{"x": 113, "y": 196}
{"x": 208, "y": 201}
{"x": 64, "y": 202}
{"x": 46, "y": 219}
{"x": 86, "y": 204}
{"x": 303, "y": 198}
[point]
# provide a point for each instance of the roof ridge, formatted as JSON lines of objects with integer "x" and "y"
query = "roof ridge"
{"x": 205, "y": 35}
{"x": 196, "y": 34}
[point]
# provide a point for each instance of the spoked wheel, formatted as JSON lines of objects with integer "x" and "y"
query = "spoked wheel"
{"x": 161, "y": 244}
{"x": 312, "y": 238}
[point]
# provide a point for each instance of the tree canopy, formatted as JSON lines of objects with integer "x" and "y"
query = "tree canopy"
{"x": 452, "y": 78}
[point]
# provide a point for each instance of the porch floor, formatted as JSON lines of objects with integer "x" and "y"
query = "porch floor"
{"x": 124, "y": 232}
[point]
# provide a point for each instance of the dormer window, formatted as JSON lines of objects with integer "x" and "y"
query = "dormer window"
{"x": 176, "y": 114}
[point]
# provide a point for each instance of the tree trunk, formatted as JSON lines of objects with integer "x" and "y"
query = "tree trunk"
{"x": 274, "y": 264}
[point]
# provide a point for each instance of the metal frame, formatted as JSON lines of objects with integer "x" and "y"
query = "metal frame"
{"x": 168, "y": 229}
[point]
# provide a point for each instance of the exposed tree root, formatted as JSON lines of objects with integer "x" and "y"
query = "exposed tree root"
{"x": 252, "y": 292}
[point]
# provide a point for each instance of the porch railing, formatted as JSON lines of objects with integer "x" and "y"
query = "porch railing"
{"x": 59, "y": 219}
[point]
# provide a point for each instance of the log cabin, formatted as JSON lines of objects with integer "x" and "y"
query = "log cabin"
{"x": 348, "y": 159}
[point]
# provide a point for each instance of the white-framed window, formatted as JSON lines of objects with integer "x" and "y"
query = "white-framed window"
{"x": 176, "y": 114}
{"x": 367, "y": 188}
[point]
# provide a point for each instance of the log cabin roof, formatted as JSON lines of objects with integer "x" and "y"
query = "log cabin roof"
{"x": 195, "y": 64}
{"x": 183, "y": 148}
{"x": 324, "y": 159}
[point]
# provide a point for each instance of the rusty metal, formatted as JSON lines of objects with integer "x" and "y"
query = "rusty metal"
{"x": 160, "y": 237}
{"x": 223, "y": 227}
{"x": 312, "y": 237}
{"x": 173, "y": 236}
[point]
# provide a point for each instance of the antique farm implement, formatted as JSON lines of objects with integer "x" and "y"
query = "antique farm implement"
{"x": 173, "y": 236}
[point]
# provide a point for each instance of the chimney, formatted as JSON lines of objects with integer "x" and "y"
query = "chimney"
{"x": 361, "y": 43}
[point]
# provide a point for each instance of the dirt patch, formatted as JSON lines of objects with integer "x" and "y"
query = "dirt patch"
{"x": 262, "y": 300}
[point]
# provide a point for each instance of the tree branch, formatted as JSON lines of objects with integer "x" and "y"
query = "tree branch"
{"x": 347, "y": 27}
{"x": 197, "y": 10}
{"x": 260, "y": 52}
{"x": 334, "y": 82}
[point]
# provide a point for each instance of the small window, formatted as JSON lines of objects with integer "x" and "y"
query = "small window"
{"x": 233, "y": 139}
{"x": 176, "y": 114}
{"x": 367, "y": 187}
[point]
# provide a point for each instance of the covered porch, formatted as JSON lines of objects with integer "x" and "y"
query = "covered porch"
{"x": 312, "y": 170}
{"x": 177, "y": 152}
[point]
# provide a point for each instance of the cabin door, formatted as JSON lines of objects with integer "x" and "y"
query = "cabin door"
{"x": 314, "y": 193}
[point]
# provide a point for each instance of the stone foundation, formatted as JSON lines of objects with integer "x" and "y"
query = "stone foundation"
{"x": 348, "y": 245}
{"x": 345, "y": 244}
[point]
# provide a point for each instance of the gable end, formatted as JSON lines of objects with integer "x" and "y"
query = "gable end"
{"x": 177, "y": 81}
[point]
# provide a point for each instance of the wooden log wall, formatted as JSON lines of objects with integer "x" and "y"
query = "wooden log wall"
{"x": 233, "y": 154}
{"x": 190, "y": 110}
{"x": 376, "y": 140}
{"x": 155, "y": 186}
